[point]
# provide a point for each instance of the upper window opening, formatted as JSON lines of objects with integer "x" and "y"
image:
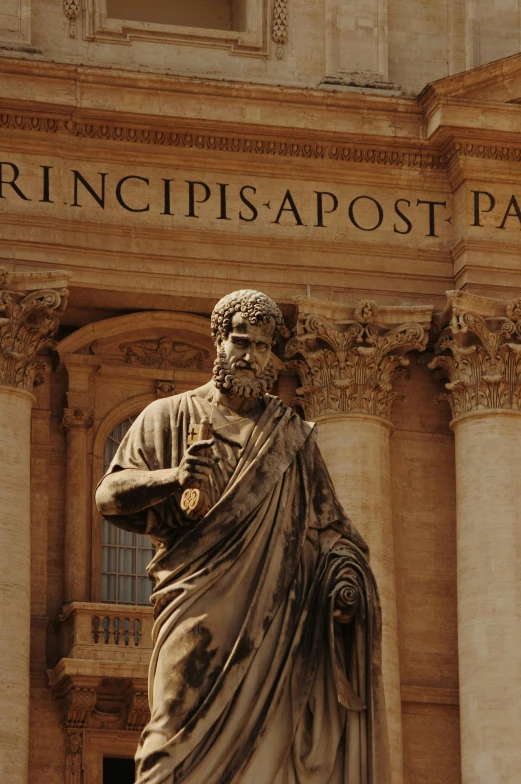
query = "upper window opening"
{"x": 124, "y": 555}
{"x": 209, "y": 14}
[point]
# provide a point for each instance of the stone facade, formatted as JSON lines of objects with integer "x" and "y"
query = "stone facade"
{"x": 360, "y": 164}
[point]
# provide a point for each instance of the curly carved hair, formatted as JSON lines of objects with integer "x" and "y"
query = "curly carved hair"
{"x": 253, "y": 306}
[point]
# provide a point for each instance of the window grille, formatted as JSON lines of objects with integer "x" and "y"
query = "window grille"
{"x": 124, "y": 555}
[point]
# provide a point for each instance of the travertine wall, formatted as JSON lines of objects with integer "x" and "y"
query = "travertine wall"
{"x": 385, "y": 44}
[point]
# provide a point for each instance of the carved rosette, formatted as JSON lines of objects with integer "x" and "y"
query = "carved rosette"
{"x": 479, "y": 350}
{"x": 349, "y": 367}
{"x": 77, "y": 417}
{"x": 138, "y": 711}
{"x": 28, "y": 319}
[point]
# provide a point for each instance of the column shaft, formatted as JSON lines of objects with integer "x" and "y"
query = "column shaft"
{"x": 15, "y": 580}
{"x": 356, "y": 450}
{"x": 488, "y": 456}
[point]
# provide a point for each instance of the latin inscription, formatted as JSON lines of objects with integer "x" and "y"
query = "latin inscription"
{"x": 207, "y": 199}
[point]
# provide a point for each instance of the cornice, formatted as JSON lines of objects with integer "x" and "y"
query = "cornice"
{"x": 122, "y": 79}
{"x": 196, "y": 136}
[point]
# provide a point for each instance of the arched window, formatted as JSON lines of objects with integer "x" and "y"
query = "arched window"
{"x": 124, "y": 555}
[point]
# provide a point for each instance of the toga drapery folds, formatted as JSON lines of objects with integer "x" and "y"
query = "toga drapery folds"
{"x": 252, "y": 678}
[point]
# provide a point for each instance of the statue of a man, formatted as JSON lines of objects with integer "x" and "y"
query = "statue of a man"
{"x": 265, "y": 668}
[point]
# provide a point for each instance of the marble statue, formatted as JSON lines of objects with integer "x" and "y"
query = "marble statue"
{"x": 266, "y": 660}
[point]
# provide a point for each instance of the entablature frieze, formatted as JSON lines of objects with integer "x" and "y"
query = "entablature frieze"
{"x": 242, "y": 138}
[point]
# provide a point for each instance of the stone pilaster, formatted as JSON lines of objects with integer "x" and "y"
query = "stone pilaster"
{"x": 479, "y": 350}
{"x": 76, "y": 422}
{"x": 346, "y": 359}
{"x": 30, "y": 307}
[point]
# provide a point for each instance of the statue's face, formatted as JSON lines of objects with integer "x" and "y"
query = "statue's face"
{"x": 247, "y": 345}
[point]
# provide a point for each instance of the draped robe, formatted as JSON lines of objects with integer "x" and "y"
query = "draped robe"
{"x": 251, "y": 678}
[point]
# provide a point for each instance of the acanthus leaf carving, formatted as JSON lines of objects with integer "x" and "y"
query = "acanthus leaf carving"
{"x": 27, "y": 322}
{"x": 478, "y": 355}
{"x": 163, "y": 353}
{"x": 350, "y": 369}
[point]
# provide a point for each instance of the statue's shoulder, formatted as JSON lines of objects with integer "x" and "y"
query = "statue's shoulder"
{"x": 166, "y": 407}
{"x": 293, "y": 420}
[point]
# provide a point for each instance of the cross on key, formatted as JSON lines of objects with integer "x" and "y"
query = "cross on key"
{"x": 193, "y": 434}
{"x": 200, "y": 432}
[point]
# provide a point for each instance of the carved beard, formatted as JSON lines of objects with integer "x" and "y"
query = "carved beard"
{"x": 228, "y": 379}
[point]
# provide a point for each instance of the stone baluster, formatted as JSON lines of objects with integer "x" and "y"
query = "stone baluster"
{"x": 30, "y": 306}
{"x": 346, "y": 359}
{"x": 479, "y": 350}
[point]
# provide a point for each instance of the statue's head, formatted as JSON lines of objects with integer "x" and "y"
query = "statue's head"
{"x": 245, "y": 326}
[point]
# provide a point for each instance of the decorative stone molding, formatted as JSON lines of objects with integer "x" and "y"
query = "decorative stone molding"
{"x": 346, "y": 358}
{"x": 73, "y": 757}
{"x": 80, "y": 702}
{"x": 479, "y": 350}
{"x": 279, "y": 27}
{"x": 163, "y": 353}
{"x": 164, "y": 389}
{"x": 493, "y": 152}
{"x": 138, "y": 711}
{"x": 250, "y": 42}
{"x": 71, "y": 9}
{"x": 77, "y": 417}
{"x": 287, "y": 148}
{"x": 30, "y": 307}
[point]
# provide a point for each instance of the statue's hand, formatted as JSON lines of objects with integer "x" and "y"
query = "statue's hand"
{"x": 195, "y": 465}
{"x": 347, "y": 596}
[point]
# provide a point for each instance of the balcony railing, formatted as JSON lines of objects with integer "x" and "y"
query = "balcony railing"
{"x": 106, "y": 632}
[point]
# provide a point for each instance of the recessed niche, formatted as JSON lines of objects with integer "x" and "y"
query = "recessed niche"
{"x": 206, "y": 14}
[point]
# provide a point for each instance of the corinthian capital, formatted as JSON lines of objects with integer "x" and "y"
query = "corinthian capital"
{"x": 346, "y": 357}
{"x": 30, "y": 306}
{"x": 479, "y": 350}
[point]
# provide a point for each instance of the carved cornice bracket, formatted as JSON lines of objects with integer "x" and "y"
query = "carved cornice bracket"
{"x": 79, "y": 704}
{"x": 30, "y": 306}
{"x": 346, "y": 358}
{"x": 479, "y": 351}
{"x": 77, "y": 417}
{"x": 138, "y": 711}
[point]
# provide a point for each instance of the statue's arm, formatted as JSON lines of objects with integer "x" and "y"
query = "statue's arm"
{"x": 131, "y": 490}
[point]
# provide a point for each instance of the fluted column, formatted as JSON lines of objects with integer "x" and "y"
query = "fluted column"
{"x": 30, "y": 306}
{"x": 479, "y": 350}
{"x": 346, "y": 359}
